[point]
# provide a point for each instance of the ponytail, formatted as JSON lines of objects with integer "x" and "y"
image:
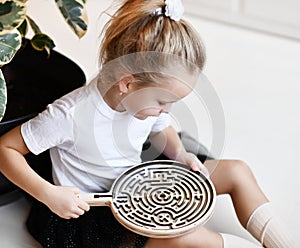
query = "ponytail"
{"x": 138, "y": 27}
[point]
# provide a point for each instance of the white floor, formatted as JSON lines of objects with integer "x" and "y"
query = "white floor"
{"x": 13, "y": 232}
{"x": 256, "y": 77}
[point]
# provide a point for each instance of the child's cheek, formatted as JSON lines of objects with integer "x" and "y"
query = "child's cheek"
{"x": 141, "y": 106}
{"x": 148, "y": 112}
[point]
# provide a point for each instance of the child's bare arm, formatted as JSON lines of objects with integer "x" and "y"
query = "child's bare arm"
{"x": 14, "y": 166}
{"x": 61, "y": 200}
{"x": 168, "y": 142}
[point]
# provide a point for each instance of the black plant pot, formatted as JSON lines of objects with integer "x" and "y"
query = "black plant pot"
{"x": 33, "y": 81}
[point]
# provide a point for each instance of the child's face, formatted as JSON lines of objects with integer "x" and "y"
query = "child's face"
{"x": 143, "y": 102}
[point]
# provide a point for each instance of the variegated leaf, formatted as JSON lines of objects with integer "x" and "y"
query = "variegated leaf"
{"x": 23, "y": 28}
{"x": 3, "y": 95}
{"x": 10, "y": 43}
{"x": 74, "y": 13}
{"x": 42, "y": 42}
{"x": 35, "y": 28}
{"x": 12, "y": 14}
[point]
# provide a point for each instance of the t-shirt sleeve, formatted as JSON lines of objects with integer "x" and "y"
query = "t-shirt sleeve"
{"x": 50, "y": 128}
{"x": 162, "y": 122}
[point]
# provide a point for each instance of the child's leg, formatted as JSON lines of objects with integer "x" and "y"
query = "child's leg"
{"x": 231, "y": 241}
{"x": 235, "y": 178}
{"x": 265, "y": 227}
{"x": 201, "y": 238}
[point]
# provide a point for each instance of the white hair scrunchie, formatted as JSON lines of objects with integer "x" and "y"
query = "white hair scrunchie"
{"x": 173, "y": 9}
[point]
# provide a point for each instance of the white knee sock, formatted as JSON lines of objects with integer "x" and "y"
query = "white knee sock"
{"x": 263, "y": 225}
{"x": 231, "y": 241}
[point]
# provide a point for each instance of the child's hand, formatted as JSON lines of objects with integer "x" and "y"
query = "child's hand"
{"x": 191, "y": 160}
{"x": 64, "y": 202}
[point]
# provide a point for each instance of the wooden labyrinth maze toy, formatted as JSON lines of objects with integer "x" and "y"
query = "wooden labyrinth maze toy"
{"x": 159, "y": 199}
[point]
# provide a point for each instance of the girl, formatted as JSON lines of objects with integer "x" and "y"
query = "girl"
{"x": 150, "y": 58}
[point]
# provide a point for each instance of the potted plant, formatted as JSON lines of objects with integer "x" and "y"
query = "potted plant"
{"x": 33, "y": 75}
{"x": 14, "y": 24}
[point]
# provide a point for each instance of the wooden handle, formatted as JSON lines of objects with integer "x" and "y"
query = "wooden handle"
{"x": 97, "y": 199}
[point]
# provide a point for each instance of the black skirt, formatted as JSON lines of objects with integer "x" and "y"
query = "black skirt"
{"x": 97, "y": 228}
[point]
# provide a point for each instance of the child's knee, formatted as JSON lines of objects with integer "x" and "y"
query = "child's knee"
{"x": 164, "y": 243}
{"x": 239, "y": 172}
{"x": 177, "y": 242}
{"x": 199, "y": 238}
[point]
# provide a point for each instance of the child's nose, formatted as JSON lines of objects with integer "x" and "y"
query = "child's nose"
{"x": 166, "y": 108}
{"x": 163, "y": 111}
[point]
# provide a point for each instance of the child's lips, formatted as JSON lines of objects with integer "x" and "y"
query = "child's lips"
{"x": 140, "y": 117}
{"x": 143, "y": 117}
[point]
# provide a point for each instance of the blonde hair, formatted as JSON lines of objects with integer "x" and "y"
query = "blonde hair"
{"x": 135, "y": 29}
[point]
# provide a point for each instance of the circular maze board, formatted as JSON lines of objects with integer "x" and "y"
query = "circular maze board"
{"x": 163, "y": 200}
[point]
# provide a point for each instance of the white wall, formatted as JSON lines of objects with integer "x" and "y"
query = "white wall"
{"x": 279, "y": 17}
{"x": 257, "y": 79}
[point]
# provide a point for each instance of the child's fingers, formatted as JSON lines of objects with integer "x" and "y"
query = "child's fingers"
{"x": 83, "y": 205}
{"x": 201, "y": 168}
{"x": 78, "y": 211}
{"x": 74, "y": 216}
{"x": 74, "y": 189}
{"x": 205, "y": 171}
{"x": 194, "y": 162}
{"x": 196, "y": 165}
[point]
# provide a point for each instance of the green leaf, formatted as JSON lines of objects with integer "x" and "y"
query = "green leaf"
{"x": 10, "y": 43}
{"x": 33, "y": 25}
{"x": 3, "y": 95}
{"x": 74, "y": 13}
{"x": 42, "y": 42}
{"x": 23, "y": 28}
{"x": 12, "y": 14}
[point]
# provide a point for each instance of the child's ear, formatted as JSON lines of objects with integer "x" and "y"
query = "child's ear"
{"x": 124, "y": 83}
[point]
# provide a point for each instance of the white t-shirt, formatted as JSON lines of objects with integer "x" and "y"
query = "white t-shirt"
{"x": 90, "y": 143}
